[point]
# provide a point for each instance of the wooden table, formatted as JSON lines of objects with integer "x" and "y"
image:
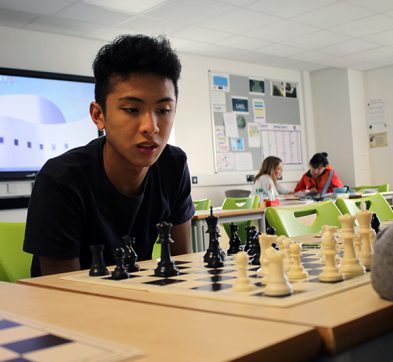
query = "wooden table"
{"x": 161, "y": 333}
{"x": 198, "y": 222}
{"x": 343, "y": 320}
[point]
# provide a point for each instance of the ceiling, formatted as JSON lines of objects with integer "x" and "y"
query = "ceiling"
{"x": 294, "y": 34}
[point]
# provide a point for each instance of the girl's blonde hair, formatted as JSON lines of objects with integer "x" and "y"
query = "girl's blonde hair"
{"x": 268, "y": 166}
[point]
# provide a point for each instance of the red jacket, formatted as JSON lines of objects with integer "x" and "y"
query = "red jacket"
{"x": 307, "y": 181}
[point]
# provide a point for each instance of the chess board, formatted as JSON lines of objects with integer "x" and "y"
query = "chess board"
{"x": 196, "y": 280}
{"x": 25, "y": 340}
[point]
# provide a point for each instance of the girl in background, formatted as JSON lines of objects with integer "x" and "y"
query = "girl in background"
{"x": 266, "y": 179}
{"x": 316, "y": 177}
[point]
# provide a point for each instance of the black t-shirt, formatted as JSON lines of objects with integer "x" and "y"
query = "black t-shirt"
{"x": 73, "y": 205}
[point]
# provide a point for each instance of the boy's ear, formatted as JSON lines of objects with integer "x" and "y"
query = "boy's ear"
{"x": 97, "y": 115}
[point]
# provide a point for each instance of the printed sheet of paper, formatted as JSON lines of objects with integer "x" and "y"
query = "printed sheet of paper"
{"x": 259, "y": 110}
{"x": 254, "y": 135}
{"x": 222, "y": 144}
{"x": 225, "y": 162}
{"x": 243, "y": 161}
{"x": 230, "y": 125}
{"x": 218, "y": 100}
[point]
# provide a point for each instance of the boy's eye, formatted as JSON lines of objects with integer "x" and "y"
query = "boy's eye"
{"x": 164, "y": 110}
{"x": 131, "y": 110}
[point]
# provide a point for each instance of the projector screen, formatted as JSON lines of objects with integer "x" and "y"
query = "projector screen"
{"x": 41, "y": 116}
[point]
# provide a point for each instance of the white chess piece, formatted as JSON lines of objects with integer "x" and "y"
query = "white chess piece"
{"x": 265, "y": 241}
{"x": 330, "y": 272}
{"x": 296, "y": 270}
{"x": 285, "y": 245}
{"x": 277, "y": 283}
{"x": 350, "y": 265}
{"x": 366, "y": 251}
{"x": 242, "y": 282}
{"x": 279, "y": 240}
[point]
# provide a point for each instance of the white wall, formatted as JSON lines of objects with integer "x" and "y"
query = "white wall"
{"x": 332, "y": 112}
{"x": 193, "y": 128}
{"x": 379, "y": 86}
{"x": 361, "y": 151}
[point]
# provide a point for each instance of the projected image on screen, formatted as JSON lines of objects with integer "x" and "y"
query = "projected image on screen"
{"x": 41, "y": 118}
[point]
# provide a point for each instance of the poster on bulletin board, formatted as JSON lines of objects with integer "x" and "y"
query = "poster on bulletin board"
{"x": 252, "y": 118}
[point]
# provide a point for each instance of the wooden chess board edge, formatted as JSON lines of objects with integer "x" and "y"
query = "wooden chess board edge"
{"x": 224, "y": 296}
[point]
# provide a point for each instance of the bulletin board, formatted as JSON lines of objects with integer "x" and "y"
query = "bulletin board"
{"x": 252, "y": 118}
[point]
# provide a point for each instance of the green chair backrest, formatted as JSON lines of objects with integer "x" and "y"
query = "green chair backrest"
{"x": 14, "y": 262}
{"x": 375, "y": 203}
{"x": 202, "y": 204}
{"x": 377, "y": 188}
{"x": 286, "y": 219}
{"x": 250, "y": 202}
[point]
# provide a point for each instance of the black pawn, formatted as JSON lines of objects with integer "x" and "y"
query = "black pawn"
{"x": 130, "y": 257}
{"x": 375, "y": 223}
{"x": 270, "y": 230}
{"x": 214, "y": 254}
{"x": 234, "y": 241}
{"x": 98, "y": 267}
{"x": 120, "y": 271}
{"x": 166, "y": 266}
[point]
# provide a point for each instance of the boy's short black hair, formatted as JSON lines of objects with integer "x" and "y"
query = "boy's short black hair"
{"x": 319, "y": 159}
{"x": 129, "y": 54}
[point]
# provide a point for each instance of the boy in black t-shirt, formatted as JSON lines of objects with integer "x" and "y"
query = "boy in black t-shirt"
{"x": 125, "y": 182}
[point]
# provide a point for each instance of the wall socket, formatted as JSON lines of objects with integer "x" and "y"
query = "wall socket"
{"x": 194, "y": 179}
{"x": 250, "y": 178}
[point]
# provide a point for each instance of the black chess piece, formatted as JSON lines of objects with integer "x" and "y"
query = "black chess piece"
{"x": 234, "y": 241}
{"x": 166, "y": 266}
{"x": 130, "y": 257}
{"x": 375, "y": 223}
{"x": 248, "y": 238}
{"x": 119, "y": 272}
{"x": 270, "y": 230}
{"x": 98, "y": 267}
{"x": 214, "y": 254}
{"x": 255, "y": 249}
{"x": 253, "y": 240}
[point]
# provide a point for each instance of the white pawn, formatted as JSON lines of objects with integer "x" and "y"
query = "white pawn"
{"x": 296, "y": 270}
{"x": 242, "y": 282}
{"x": 277, "y": 283}
{"x": 330, "y": 272}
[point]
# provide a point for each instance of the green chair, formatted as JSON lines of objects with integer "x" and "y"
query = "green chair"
{"x": 14, "y": 262}
{"x": 201, "y": 204}
{"x": 250, "y": 202}
{"x": 377, "y": 188}
{"x": 286, "y": 219}
{"x": 376, "y": 203}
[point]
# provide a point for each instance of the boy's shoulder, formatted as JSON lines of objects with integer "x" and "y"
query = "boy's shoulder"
{"x": 80, "y": 158}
